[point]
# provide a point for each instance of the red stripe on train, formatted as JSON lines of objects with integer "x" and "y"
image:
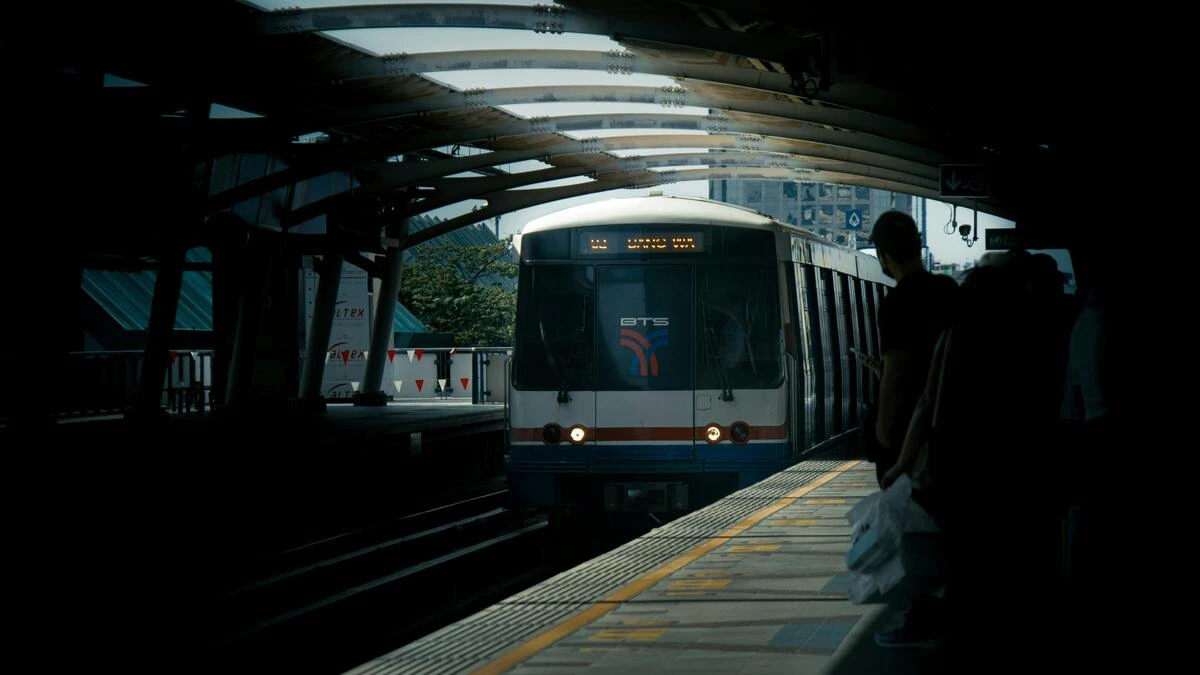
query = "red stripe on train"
{"x": 611, "y": 434}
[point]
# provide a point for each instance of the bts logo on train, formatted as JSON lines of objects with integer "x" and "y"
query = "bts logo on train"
{"x": 645, "y": 321}
{"x": 644, "y": 361}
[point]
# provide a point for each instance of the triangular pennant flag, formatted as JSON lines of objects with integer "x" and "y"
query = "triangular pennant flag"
{"x": 174, "y": 355}
{"x": 410, "y": 354}
{"x": 398, "y": 383}
{"x": 391, "y": 356}
{"x": 419, "y": 353}
{"x": 354, "y": 386}
{"x": 345, "y": 358}
{"x": 442, "y": 384}
{"x": 464, "y": 381}
{"x": 420, "y": 384}
{"x": 195, "y": 356}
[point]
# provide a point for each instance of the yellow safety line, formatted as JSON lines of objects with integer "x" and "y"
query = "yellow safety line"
{"x": 541, "y": 641}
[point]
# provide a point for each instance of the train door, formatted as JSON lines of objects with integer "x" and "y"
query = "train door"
{"x": 644, "y": 379}
{"x": 822, "y": 306}
{"x": 871, "y": 335}
{"x": 834, "y": 303}
{"x": 806, "y": 349}
{"x": 851, "y": 370}
{"x": 858, "y": 330}
{"x": 814, "y": 307}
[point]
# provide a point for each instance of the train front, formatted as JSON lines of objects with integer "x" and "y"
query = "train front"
{"x": 648, "y": 371}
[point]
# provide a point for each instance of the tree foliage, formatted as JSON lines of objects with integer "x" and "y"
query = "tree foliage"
{"x": 463, "y": 290}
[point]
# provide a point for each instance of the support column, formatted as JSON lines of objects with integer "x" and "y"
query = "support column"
{"x": 241, "y": 365}
{"x": 371, "y": 390}
{"x": 227, "y": 242}
{"x": 322, "y": 323}
{"x": 167, "y": 284}
{"x": 37, "y": 378}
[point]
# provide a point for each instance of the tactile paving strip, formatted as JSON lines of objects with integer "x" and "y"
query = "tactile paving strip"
{"x": 489, "y": 633}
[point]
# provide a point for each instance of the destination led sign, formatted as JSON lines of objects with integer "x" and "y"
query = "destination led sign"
{"x": 643, "y": 242}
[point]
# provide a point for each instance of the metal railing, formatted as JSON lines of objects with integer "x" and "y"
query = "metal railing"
{"x": 106, "y": 382}
{"x": 444, "y": 379}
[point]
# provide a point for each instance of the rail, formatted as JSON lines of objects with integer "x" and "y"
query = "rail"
{"x": 102, "y": 383}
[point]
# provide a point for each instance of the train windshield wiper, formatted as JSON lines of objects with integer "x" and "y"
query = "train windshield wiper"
{"x": 562, "y": 366}
{"x": 712, "y": 353}
{"x": 564, "y": 396}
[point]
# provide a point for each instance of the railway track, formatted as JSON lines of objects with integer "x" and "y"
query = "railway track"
{"x": 330, "y": 604}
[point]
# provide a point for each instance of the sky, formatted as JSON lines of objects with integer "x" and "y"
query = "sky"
{"x": 947, "y": 248}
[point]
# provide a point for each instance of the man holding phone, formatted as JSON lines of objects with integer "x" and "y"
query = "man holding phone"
{"x": 911, "y": 318}
{"x": 869, "y": 362}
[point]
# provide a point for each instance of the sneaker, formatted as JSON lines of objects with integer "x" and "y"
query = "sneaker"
{"x": 912, "y": 634}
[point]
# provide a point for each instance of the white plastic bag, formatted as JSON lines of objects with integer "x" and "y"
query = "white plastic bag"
{"x": 879, "y": 524}
{"x": 874, "y": 534}
{"x": 880, "y": 578}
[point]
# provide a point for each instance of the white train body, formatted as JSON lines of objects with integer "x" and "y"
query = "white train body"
{"x": 671, "y": 350}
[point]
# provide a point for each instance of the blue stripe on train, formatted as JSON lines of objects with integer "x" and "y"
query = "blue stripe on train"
{"x": 532, "y": 473}
{"x": 722, "y": 454}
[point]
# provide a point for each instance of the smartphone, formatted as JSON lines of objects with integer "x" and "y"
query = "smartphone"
{"x": 866, "y": 359}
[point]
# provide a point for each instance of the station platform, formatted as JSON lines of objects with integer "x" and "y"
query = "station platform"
{"x": 231, "y": 486}
{"x": 339, "y": 423}
{"x": 448, "y": 418}
{"x": 755, "y": 583}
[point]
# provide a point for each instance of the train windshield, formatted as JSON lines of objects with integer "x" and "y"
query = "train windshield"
{"x": 737, "y": 328}
{"x": 555, "y": 329}
{"x": 644, "y": 317}
{"x": 647, "y": 327}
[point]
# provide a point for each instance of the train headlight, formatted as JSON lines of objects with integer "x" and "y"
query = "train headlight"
{"x": 578, "y": 434}
{"x": 712, "y": 433}
{"x": 739, "y": 432}
{"x": 552, "y": 434}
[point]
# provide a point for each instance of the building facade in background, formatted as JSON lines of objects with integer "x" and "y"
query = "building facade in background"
{"x": 841, "y": 213}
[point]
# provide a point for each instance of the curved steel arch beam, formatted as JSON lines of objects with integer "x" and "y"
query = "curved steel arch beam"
{"x": 777, "y": 173}
{"x": 615, "y": 61}
{"x": 391, "y": 176}
{"x": 746, "y": 158}
{"x": 448, "y": 191}
{"x": 661, "y": 29}
{"x": 719, "y": 124}
{"x": 755, "y": 102}
{"x": 538, "y": 19}
{"x": 507, "y": 202}
{"x": 451, "y": 190}
{"x": 327, "y": 158}
{"x": 500, "y": 203}
{"x": 851, "y": 95}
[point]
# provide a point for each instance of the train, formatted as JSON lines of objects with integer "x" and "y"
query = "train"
{"x": 671, "y": 350}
